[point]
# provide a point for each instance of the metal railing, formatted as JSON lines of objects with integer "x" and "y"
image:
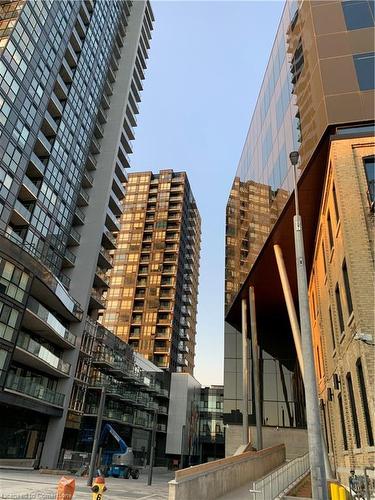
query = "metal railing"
{"x": 271, "y": 486}
{"x": 31, "y": 387}
{"x": 28, "y": 344}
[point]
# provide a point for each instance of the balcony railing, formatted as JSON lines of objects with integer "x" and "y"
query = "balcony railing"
{"x": 28, "y": 344}
{"x": 54, "y": 324}
{"x": 29, "y": 387}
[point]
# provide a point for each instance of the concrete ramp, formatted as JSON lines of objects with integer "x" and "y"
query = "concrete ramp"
{"x": 212, "y": 480}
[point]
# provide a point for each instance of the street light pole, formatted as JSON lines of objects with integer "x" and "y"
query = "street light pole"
{"x": 318, "y": 473}
{"x": 95, "y": 444}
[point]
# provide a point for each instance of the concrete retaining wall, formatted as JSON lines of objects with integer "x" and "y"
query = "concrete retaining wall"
{"x": 214, "y": 479}
{"x": 295, "y": 440}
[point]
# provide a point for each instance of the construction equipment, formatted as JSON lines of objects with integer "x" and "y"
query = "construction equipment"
{"x": 116, "y": 464}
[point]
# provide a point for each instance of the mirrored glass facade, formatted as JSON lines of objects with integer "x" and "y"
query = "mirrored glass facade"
{"x": 318, "y": 76}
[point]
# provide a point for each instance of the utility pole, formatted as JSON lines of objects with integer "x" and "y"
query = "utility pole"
{"x": 182, "y": 447}
{"x": 95, "y": 444}
{"x": 318, "y": 473}
{"x": 152, "y": 451}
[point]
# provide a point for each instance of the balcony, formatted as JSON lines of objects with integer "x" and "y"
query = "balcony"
{"x": 122, "y": 156}
{"x": 36, "y": 167}
{"x": 28, "y": 190}
{"x": 66, "y": 72}
{"x": 97, "y": 300}
{"x": 111, "y": 221}
{"x": 84, "y": 13}
{"x": 113, "y": 62}
{"x": 108, "y": 87}
{"x": 115, "y": 205}
{"x": 79, "y": 217}
{"x": 101, "y": 279}
{"x": 161, "y": 428}
{"x": 91, "y": 162}
{"x": 133, "y": 103}
{"x": 37, "y": 318}
{"x": 74, "y": 237}
{"x": 49, "y": 125}
{"x": 121, "y": 174}
{"x": 42, "y": 146}
{"x": 55, "y": 108}
{"x": 61, "y": 90}
{"x": 83, "y": 198}
{"x": 90, "y": 5}
{"x": 116, "y": 50}
{"x": 69, "y": 259}
{"x": 126, "y": 145}
{"x": 131, "y": 117}
{"x": 87, "y": 179}
{"x": 80, "y": 27}
{"x": 103, "y": 359}
{"x": 108, "y": 240}
{"x": 104, "y": 258}
{"x": 95, "y": 146}
{"x": 76, "y": 41}
{"x": 105, "y": 101}
{"x": 163, "y": 410}
{"x": 31, "y": 353}
{"x": 21, "y": 214}
{"x": 98, "y": 130}
{"x": 28, "y": 386}
{"x": 117, "y": 187}
{"x": 102, "y": 115}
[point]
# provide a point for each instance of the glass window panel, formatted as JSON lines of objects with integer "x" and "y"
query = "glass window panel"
{"x": 365, "y": 68}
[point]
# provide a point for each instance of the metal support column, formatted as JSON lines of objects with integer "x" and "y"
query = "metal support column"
{"x": 318, "y": 473}
{"x": 255, "y": 365}
{"x": 95, "y": 444}
{"x": 245, "y": 376}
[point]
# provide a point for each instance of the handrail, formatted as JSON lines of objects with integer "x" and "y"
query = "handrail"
{"x": 281, "y": 479}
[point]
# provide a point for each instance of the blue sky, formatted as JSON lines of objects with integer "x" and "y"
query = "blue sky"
{"x": 206, "y": 65}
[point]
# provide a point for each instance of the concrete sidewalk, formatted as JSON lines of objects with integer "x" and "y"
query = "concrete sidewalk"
{"x": 33, "y": 485}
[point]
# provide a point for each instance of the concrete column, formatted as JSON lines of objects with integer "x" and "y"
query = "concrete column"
{"x": 255, "y": 365}
{"x": 245, "y": 375}
{"x": 289, "y": 304}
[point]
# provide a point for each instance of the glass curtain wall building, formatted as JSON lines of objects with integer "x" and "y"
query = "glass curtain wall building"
{"x": 71, "y": 75}
{"x": 153, "y": 295}
{"x": 319, "y": 76}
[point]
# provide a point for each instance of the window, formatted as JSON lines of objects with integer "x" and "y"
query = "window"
{"x": 347, "y": 288}
{"x": 324, "y": 259}
{"x": 297, "y": 63}
{"x": 337, "y": 215}
{"x": 362, "y": 388}
{"x": 331, "y": 327}
{"x": 342, "y": 419}
{"x": 353, "y": 410}
{"x": 358, "y": 14}
{"x": 339, "y": 309}
{"x": 365, "y": 68}
{"x": 369, "y": 164}
{"x": 330, "y": 233}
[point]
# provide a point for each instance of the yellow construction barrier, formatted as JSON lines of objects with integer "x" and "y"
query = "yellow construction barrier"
{"x": 337, "y": 492}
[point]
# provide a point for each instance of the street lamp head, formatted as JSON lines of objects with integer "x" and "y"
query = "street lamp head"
{"x": 294, "y": 157}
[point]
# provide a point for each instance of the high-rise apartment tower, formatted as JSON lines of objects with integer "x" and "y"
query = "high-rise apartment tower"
{"x": 152, "y": 300}
{"x": 71, "y": 76}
